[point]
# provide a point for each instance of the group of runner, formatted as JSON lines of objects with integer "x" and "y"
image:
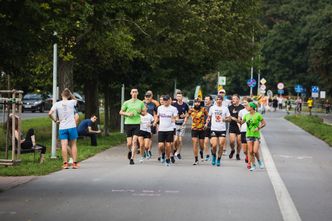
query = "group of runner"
{"x": 210, "y": 122}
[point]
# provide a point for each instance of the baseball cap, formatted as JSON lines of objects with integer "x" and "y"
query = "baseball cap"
{"x": 252, "y": 105}
{"x": 222, "y": 91}
{"x": 148, "y": 93}
{"x": 166, "y": 97}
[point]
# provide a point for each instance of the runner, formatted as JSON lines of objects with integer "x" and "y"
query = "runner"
{"x": 166, "y": 115}
{"x": 226, "y": 103}
{"x": 183, "y": 109}
{"x": 207, "y": 130}
{"x": 198, "y": 114}
{"x": 243, "y": 129}
{"x": 131, "y": 110}
{"x": 218, "y": 115}
{"x": 152, "y": 106}
{"x": 310, "y": 103}
{"x": 255, "y": 122}
{"x": 234, "y": 130}
{"x": 65, "y": 111}
{"x": 144, "y": 137}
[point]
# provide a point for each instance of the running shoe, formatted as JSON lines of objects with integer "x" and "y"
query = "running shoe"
{"x": 162, "y": 160}
{"x": 213, "y": 160}
{"x": 131, "y": 162}
{"x": 248, "y": 166}
{"x": 172, "y": 159}
{"x": 218, "y": 163}
{"x": 65, "y": 165}
{"x": 168, "y": 163}
{"x": 195, "y": 163}
{"x": 147, "y": 155}
{"x": 253, "y": 167}
{"x": 261, "y": 164}
{"x": 238, "y": 157}
{"x": 179, "y": 156}
{"x": 207, "y": 158}
{"x": 141, "y": 160}
{"x": 246, "y": 160}
{"x": 231, "y": 154}
{"x": 129, "y": 155}
{"x": 75, "y": 165}
{"x": 159, "y": 158}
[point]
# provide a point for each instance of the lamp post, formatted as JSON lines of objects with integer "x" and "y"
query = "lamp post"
{"x": 55, "y": 61}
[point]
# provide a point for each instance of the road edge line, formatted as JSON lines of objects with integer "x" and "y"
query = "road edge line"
{"x": 286, "y": 204}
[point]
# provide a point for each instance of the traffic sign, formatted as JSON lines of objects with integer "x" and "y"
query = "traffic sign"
{"x": 263, "y": 87}
{"x": 315, "y": 91}
{"x": 280, "y": 85}
{"x": 281, "y": 91}
{"x": 222, "y": 80}
{"x": 263, "y": 81}
{"x": 298, "y": 88}
{"x": 322, "y": 94}
{"x": 251, "y": 82}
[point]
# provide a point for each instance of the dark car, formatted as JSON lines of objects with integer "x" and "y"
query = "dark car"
{"x": 34, "y": 102}
{"x": 80, "y": 102}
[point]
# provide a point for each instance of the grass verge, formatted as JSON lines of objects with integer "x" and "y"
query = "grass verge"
{"x": 42, "y": 126}
{"x": 314, "y": 125}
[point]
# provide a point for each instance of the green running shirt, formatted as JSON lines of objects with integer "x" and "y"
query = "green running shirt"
{"x": 135, "y": 107}
{"x": 253, "y": 122}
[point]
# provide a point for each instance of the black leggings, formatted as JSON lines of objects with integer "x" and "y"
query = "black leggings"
{"x": 27, "y": 144}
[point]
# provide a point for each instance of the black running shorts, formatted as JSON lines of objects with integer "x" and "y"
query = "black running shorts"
{"x": 165, "y": 136}
{"x": 207, "y": 132}
{"x": 218, "y": 133}
{"x": 144, "y": 134}
{"x": 198, "y": 134}
{"x": 243, "y": 137}
{"x": 132, "y": 129}
{"x": 234, "y": 129}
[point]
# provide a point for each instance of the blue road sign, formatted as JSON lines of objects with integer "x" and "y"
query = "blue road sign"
{"x": 298, "y": 88}
{"x": 251, "y": 82}
{"x": 315, "y": 89}
{"x": 281, "y": 91}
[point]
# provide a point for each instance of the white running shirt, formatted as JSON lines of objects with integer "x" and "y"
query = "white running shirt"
{"x": 146, "y": 122}
{"x": 218, "y": 113}
{"x": 241, "y": 115}
{"x": 165, "y": 117}
{"x": 65, "y": 110}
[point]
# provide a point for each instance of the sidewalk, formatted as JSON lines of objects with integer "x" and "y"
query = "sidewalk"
{"x": 8, "y": 182}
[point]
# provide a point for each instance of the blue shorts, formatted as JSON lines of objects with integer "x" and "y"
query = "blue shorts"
{"x": 253, "y": 139}
{"x": 68, "y": 134}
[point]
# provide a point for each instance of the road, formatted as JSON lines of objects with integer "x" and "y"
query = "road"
{"x": 106, "y": 187}
{"x": 27, "y": 115}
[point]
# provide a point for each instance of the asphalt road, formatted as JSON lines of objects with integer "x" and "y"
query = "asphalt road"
{"x": 27, "y": 115}
{"x": 106, "y": 187}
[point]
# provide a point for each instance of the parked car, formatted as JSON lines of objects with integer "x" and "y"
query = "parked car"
{"x": 34, "y": 102}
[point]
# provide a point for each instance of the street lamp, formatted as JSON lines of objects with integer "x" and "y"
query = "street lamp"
{"x": 55, "y": 61}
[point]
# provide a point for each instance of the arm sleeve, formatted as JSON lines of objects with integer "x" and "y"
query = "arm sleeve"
{"x": 124, "y": 106}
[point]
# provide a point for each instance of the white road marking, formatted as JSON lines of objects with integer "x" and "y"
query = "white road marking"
{"x": 286, "y": 204}
{"x": 146, "y": 194}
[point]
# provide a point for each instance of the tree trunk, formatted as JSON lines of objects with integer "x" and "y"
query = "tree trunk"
{"x": 66, "y": 75}
{"x": 91, "y": 98}
{"x": 106, "y": 110}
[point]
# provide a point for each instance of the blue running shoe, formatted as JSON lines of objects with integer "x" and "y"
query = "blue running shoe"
{"x": 213, "y": 160}
{"x": 253, "y": 167}
{"x": 261, "y": 164}
{"x": 207, "y": 158}
{"x": 218, "y": 163}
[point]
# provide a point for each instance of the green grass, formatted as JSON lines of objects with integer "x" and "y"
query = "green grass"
{"x": 42, "y": 126}
{"x": 314, "y": 125}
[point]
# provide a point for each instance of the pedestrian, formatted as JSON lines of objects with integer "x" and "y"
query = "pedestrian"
{"x": 85, "y": 129}
{"x": 182, "y": 109}
{"x": 207, "y": 130}
{"x": 65, "y": 111}
{"x": 166, "y": 116}
{"x": 327, "y": 106}
{"x": 275, "y": 103}
{"x": 288, "y": 104}
{"x": 298, "y": 103}
{"x": 234, "y": 130}
{"x": 131, "y": 110}
{"x": 255, "y": 122}
{"x": 310, "y": 103}
{"x": 152, "y": 106}
{"x": 280, "y": 101}
{"x": 243, "y": 129}
{"x": 226, "y": 103}
{"x": 218, "y": 115}
{"x": 144, "y": 136}
{"x": 198, "y": 114}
